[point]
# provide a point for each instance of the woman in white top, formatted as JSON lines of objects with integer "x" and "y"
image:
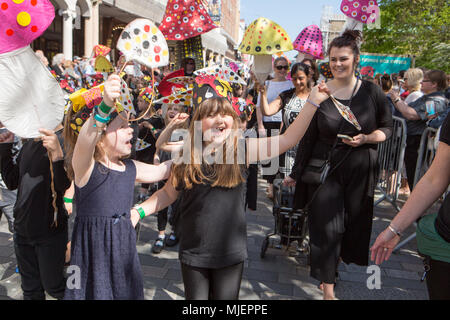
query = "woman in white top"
{"x": 274, "y": 87}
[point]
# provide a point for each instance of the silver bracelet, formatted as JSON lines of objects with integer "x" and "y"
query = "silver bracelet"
{"x": 315, "y": 105}
{"x": 393, "y": 230}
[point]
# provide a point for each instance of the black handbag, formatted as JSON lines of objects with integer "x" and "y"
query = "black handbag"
{"x": 316, "y": 171}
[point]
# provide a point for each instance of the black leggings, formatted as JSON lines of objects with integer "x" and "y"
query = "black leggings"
{"x": 212, "y": 284}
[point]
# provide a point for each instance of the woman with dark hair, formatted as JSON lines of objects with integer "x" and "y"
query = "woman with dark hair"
{"x": 272, "y": 123}
{"x": 290, "y": 102}
{"x": 314, "y": 71}
{"x": 341, "y": 208}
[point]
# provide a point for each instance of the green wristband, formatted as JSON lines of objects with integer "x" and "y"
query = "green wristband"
{"x": 140, "y": 211}
{"x": 68, "y": 200}
{"x": 105, "y": 108}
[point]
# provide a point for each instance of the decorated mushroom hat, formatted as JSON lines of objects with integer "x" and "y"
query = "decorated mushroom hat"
{"x": 359, "y": 10}
{"x": 264, "y": 36}
{"x": 185, "y": 19}
{"x": 208, "y": 86}
{"x": 309, "y": 41}
{"x": 181, "y": 97}
{"x": 23, "y": 21}
{"x": 221, "y": 72}
{"x": 141, "y": 41}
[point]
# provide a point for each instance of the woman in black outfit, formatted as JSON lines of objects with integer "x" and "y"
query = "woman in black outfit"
{"x": 341, "y": 211}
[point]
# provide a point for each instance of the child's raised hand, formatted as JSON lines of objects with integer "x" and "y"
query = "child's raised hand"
{"x": 111, "y": 89}
{"x": 179, "y": 118}
{"x": 320, "y": 93}
{"x": 51, "y": 143}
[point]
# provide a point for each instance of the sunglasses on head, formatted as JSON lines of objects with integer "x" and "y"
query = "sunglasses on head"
{"x": 282, "y": 67}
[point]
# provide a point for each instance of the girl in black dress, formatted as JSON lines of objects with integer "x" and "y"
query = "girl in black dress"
{"x": 342, "y": 210}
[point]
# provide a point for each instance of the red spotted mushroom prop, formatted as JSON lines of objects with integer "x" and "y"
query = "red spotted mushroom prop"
{"x": 263, "y": 38}
{"x": 185, "y": 19}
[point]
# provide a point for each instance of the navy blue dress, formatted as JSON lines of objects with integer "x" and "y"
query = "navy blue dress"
{"x": 104, "y": 240}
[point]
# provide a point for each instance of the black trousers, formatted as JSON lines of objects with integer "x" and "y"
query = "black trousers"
{"x": 162, "y": 219}
{"x": 41, "y": 266}
{"x": 438, "y": 280}
{"x": 411, "y": 154}
{"x": 212, "y": 284}
{"x": 340, "y": 218}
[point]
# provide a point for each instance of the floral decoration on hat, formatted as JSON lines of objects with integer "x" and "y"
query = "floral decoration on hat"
{"x": 359, "y": 10}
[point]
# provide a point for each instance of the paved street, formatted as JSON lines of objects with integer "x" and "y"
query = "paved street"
{"x": 280, "y": 275}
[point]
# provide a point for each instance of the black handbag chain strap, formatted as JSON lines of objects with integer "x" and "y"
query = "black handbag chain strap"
{"x": 331, "y": 152}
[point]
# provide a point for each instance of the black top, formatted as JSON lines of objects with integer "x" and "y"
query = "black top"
{"x": 370, "y": 107}
{"x": 213, "y": 230}
{"x": 443, "y": 218}
{"x": 33, "y": 211}
{"x": 146, "y": 155}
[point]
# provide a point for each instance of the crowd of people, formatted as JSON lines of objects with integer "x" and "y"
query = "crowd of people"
{"x": 75, "y": 202}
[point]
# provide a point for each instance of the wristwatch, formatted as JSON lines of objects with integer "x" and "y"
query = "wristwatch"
{"x": 397, "y": 100}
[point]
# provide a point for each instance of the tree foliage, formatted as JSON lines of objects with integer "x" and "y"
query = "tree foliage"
{"x": 418, "y": 28}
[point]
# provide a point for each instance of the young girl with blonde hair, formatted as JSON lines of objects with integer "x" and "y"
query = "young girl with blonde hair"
{"x": 104, "y": 239}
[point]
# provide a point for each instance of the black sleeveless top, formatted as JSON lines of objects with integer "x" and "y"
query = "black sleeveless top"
{"x": 212, "y": 225}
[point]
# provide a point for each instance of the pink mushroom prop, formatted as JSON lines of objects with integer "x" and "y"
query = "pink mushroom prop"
{"x": 309, "y": 42}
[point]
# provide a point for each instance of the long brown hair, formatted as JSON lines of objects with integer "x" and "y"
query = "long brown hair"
{"x": 70, "y": 139}
{"x": 197, "y": 171}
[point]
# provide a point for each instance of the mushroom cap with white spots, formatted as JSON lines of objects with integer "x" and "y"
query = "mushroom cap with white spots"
{"x": 364, "y": 11}
{"x": 185, "y": 19}
{"x": 264, "y": 36}
{"x": 143, "y": 42}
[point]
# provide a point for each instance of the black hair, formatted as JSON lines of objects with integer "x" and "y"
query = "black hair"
{"x": 300, "y": 67}
{"x": 350, "y": 38}
{"x": 314, "y": 70}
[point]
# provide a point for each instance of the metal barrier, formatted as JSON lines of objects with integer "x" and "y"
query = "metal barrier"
{"x": 390, "y": 161}
{"x": 425, "y": 156}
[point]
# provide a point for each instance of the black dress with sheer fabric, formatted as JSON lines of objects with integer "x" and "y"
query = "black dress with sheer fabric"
{"x": 341, "y": 213}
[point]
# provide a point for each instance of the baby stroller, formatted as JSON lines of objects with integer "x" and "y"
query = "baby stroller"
{"x": 290, "y": 224}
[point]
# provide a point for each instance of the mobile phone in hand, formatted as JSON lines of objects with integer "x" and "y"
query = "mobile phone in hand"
{"x": 344, "y": 136}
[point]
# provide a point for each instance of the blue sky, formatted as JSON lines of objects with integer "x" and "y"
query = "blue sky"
{"x": 292, "y": 15}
